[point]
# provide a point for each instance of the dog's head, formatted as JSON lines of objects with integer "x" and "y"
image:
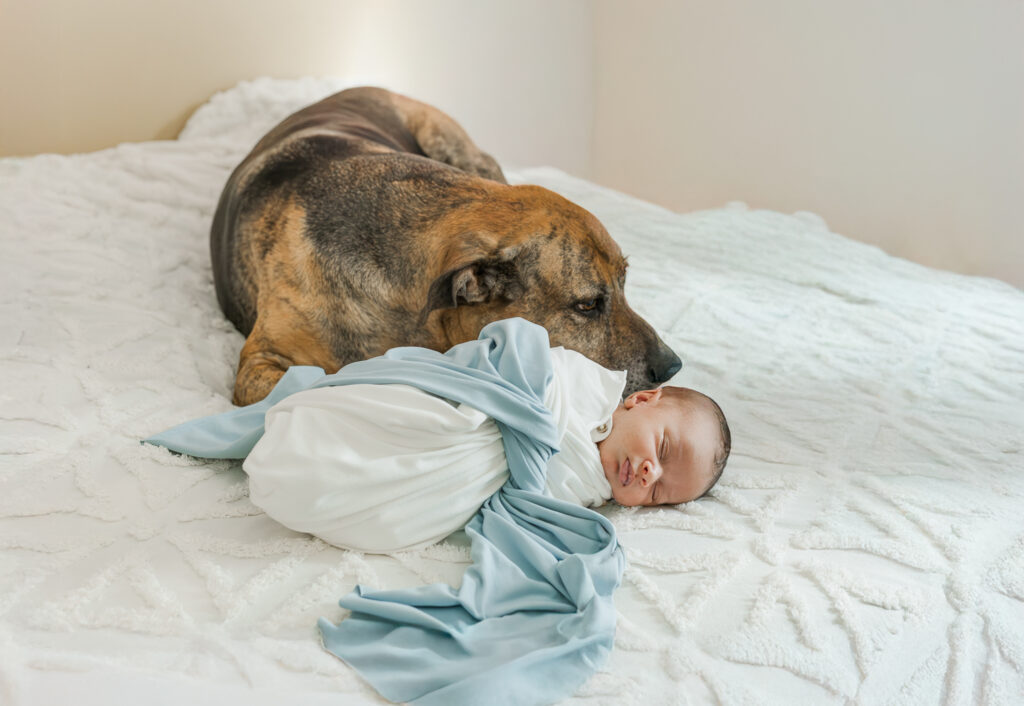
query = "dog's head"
{"x": 541, "y": 257}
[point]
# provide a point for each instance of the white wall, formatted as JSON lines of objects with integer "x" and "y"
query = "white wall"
{"x": 80, "y": 75}
{"x": 901, "y": 122}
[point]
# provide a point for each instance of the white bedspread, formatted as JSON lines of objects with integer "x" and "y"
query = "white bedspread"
{"x": 866, "y": 543}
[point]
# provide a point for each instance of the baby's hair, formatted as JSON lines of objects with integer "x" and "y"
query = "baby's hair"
{"x": 686, "y": 395}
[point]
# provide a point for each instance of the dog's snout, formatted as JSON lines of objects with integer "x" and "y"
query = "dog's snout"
{"x": 664, "y": 364}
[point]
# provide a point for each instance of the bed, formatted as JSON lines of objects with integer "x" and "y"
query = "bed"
{"x": 865, "y": 544}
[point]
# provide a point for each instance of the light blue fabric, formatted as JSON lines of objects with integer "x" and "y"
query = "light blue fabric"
{"x": 533, "y": 618}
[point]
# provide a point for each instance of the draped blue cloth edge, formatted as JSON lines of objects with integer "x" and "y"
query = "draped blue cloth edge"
{"x": 533, "y": 617}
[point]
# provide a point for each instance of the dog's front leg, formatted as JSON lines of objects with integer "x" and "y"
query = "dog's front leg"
{"x": 258, "y": 372}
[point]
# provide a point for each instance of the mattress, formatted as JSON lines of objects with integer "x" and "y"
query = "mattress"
{"x": 865, "y": 544}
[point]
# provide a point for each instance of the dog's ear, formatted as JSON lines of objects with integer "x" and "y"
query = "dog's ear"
{"x": 481, "y": 280}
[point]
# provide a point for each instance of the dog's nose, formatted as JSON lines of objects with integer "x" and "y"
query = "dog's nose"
{"x": 664, "y": 364}
{"x": 673, "y": 368}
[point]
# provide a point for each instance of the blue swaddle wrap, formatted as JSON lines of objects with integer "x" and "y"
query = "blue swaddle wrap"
{"x": 533, "y": 617}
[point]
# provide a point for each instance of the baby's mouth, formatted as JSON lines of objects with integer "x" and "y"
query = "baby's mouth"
{"x": 626, "y": 472}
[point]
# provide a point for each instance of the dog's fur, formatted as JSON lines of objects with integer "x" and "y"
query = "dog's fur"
{"x": 370, "y": 220}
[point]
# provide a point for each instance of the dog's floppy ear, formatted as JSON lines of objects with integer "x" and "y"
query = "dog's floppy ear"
{"x": 479, "y": 280}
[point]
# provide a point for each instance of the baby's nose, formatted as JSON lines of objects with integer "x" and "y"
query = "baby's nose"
{"x": 650, "y": 472}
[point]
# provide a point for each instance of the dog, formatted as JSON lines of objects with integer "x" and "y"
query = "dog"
{"x": 370, "y": 220}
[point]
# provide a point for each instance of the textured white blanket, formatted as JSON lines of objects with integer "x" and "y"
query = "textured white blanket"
{"x": 866, "y": 544}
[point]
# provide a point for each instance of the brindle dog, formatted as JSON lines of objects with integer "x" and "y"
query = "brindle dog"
{"x": 370, "y": 220}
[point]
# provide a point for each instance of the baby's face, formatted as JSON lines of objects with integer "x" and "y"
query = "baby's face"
{"x": 660, "y": 451}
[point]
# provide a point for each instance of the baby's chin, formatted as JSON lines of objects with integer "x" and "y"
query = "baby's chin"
{"x": 623, "y": 498}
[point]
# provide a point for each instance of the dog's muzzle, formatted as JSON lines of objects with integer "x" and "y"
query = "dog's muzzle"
{"x": 663, "y": 364}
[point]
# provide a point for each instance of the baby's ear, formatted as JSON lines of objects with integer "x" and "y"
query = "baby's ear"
{"x": 642, "y": 397}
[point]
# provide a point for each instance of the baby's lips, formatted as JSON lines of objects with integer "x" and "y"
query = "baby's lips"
{"x": 625, "y": 472}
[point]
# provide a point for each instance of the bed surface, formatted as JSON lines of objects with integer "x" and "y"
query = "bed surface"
{"x": 865, "y": 545}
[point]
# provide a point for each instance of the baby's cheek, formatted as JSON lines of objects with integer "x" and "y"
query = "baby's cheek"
{"x": 622, "y": 497}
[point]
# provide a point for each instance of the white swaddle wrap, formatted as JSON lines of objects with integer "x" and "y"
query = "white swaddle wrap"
{"x": 381, "y": 468}
{"x": 582, "y": 397}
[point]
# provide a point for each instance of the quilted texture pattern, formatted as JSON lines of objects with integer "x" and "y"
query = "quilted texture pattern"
{"x": 866, "y": 543}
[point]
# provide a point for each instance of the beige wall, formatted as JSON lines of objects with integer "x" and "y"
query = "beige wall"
{"x": 899, "y": 121}
{"x": 80, "y": 75}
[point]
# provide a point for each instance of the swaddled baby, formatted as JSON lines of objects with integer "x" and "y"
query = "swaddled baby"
{"x": 382, "y": 468}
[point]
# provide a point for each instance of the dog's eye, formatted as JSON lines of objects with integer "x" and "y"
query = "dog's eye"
{"x": 587, "y": 306}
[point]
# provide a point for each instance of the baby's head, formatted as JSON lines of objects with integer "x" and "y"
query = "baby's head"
{"x": 667, "y": 446}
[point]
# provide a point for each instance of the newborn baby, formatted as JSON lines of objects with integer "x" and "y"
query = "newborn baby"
{"x": 665, "y": 446}
{"x": 383, "y": 468}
